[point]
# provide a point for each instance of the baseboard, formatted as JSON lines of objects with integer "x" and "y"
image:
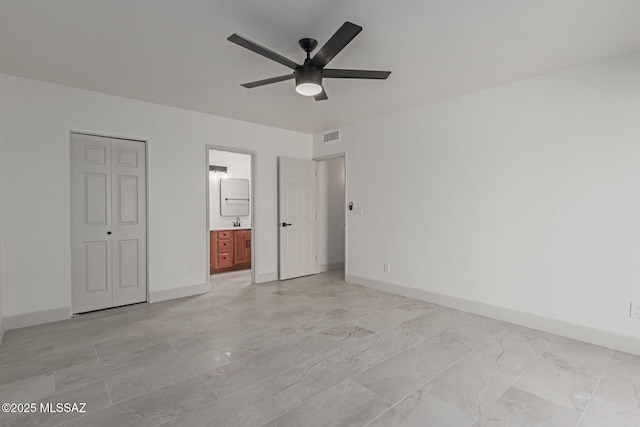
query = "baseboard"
{"x": 624, "y": 343}
{"x": 36, "y": 318}
{"x": 174, "y": 293}
{"x": 266, "y": 277}
{"x": 330, "y": 267}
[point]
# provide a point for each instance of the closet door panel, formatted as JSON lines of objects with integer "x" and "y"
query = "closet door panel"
{"x": 129, "y": 221}
{"x": 90, "y": 223}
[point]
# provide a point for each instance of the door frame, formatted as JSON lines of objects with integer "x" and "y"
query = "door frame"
{"x": 342, "y": 154}
{"x": 253, "y": 208}
{"x": 146, "y": 199}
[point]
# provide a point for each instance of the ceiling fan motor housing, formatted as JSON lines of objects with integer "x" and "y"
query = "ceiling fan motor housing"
{"x": 308, "y": 74}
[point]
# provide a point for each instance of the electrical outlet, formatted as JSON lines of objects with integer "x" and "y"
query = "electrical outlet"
{"x": 189, "y": 271}
{"x": 360, "y": 210}
{"x": 387, "y": 267}
{"x": 634, "y": 310}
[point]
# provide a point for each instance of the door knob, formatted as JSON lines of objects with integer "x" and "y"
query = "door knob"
{"x": 284, "y": 224}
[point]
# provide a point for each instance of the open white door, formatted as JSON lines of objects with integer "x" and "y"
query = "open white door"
{"x": 297, "y": 217}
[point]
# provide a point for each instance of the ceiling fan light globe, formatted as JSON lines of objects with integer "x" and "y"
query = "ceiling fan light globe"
{"x": 308, "y": 89}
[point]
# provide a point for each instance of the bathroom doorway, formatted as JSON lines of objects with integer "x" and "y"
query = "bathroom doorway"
{"x": 230, "y": 212}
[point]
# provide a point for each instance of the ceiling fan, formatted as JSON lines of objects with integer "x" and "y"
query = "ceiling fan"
{"x": 309, "y": 74}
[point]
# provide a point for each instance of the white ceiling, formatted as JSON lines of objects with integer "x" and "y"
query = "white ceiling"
{"x": 176, "y": 53}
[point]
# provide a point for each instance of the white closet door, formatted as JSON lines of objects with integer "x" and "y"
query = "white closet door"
{"x": 90, "y": 222}
{"x": 297, "y": 212}
{"x": 108, "y": 222}
{"x": 128, "y": 214}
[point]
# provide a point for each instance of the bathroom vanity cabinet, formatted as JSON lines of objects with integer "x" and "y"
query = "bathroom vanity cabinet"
{"x": 230, "y": 250}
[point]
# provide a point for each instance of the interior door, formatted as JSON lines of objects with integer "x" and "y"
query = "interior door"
{"x": 108, "y": 222}
{"x": 128, "y": 185}
{"x": 90, "y": 222}
{"x": 297, "y": 217}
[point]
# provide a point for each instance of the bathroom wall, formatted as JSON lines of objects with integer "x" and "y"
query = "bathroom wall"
{"x": 238, "y": 166}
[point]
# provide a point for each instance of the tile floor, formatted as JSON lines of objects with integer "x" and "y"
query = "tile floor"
{"x": 313, "y": 351}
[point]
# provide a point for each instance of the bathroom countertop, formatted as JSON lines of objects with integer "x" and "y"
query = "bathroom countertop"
{"x": 231, "y": 228}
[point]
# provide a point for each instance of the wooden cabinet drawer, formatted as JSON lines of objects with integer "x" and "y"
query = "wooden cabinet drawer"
{"x": 224, "y": 235}
{"x": 224, "y": 246}
{"x": 225, "y": 260}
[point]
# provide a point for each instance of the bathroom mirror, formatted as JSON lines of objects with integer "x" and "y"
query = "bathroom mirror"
{"x": 234, "y": 197}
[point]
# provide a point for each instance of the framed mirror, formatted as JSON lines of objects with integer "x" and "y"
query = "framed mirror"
{"x": 234, "y": 197}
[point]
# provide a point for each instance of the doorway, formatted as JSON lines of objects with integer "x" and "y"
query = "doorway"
{"x": 312, "y": 226}
{"x": 230, "y": 212}
{"x": 331, "y": 214}
{"x": 108, "y": 222}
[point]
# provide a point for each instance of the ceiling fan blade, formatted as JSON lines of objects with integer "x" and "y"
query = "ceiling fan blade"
{"x": 321, "y": 96}
{"x": 336, "y": 43}
{"x": 268, "y": 81}
{"x": 261, "y": 50}
{"x": 334, "y": 73}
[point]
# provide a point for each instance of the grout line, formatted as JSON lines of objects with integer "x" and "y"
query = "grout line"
{"x": 420, "y": 386}
{"x": 208, "y": 388}
{"x": 108, "y": 392}
{"x": 368, "y": 389}
{"x": 95, "y": 348}
{"x": 523, "y": 371}
{"x": 584, "y": 411}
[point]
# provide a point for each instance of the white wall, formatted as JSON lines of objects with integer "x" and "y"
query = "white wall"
{"x": 1, "y": 209}
{"x": 331, "y": 212}
{"x": 524, "y": 197}
{"x": 37, "y": 118}
{"x": 238, "y": 166}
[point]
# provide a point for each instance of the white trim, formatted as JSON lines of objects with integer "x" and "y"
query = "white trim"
{"x": 625, "y": 343}
{"x": 266, "y": 277}
{"x": 174, "y": 293}
{"x": 330, "y": 267}
{"x": 36, "y": 318}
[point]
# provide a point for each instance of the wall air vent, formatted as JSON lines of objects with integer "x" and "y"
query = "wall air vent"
{"x": 331, "y": 136}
